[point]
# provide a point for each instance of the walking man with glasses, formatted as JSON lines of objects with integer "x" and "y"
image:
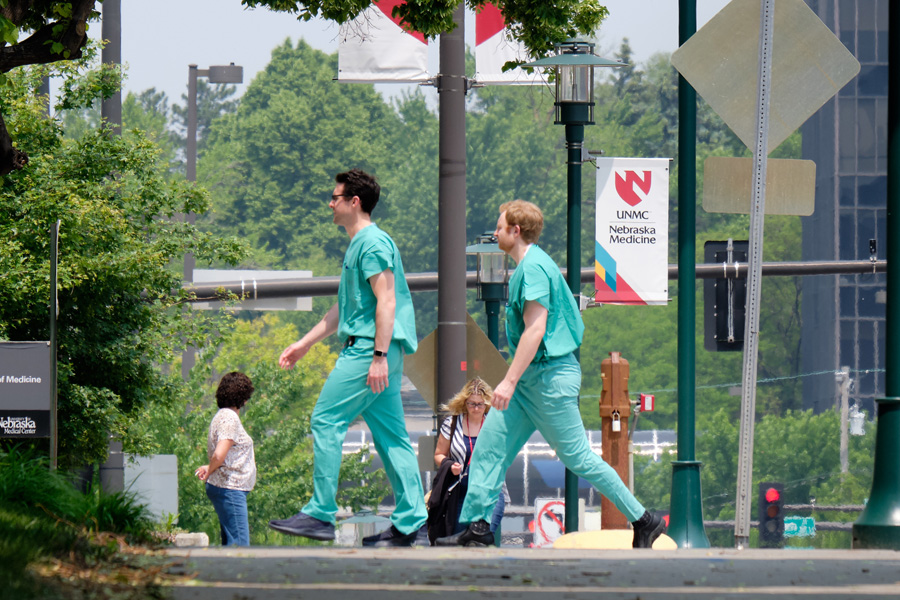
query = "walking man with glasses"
{"x": 540, "y": 389}
{"x": 374, "y": 318}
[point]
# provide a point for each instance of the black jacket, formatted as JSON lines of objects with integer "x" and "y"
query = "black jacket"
{"x": 443, "y": 504}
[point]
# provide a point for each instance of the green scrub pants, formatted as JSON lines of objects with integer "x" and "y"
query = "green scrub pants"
{"x": 344, "y": 397}
{"x": 546, "y": 399}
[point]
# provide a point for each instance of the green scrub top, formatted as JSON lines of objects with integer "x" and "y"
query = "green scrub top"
{"x": 538, "y": 278}
{"x": 370, "y": 252}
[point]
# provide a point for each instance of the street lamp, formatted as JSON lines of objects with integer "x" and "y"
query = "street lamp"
{"x": 573, "y": 65}
{"x": 216, "y": 74}
{"x": 492, "y": 277}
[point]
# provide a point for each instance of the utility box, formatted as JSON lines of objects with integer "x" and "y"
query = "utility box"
{"x": 154, "y": 481}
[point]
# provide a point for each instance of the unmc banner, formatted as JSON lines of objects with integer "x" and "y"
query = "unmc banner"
{"x": 632, "y": 235}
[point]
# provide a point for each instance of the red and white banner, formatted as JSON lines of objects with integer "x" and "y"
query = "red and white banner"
{"x": 632, "y": 234}
{"x": 374, "y": 48}
{"x": 494, "y": 48}
{"x": 647, "y": 402}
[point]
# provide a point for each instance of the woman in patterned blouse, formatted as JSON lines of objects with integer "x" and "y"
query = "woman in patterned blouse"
{"x": 231, "y": 472}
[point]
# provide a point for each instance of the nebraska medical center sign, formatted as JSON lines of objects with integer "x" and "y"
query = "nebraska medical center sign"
{"x": 26, "y": 390}
{"x": 632, "y": 236}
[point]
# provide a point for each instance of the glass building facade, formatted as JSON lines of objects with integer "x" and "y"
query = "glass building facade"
{"x": 844, "y": 316}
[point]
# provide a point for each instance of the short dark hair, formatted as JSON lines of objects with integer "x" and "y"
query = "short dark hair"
{"x": 359, "y": 183}
{"x": 234, "y": 390}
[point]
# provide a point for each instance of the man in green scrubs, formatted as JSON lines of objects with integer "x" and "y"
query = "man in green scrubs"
{"x": 540, "y": 390}
{"x": 374, "y": 318}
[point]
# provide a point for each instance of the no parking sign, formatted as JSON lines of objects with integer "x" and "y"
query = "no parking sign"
{"x": 549, "y": 521}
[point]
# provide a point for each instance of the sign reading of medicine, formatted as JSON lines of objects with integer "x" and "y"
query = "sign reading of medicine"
{"x": 632, "y": 236}
{"x": 25, "y": 389}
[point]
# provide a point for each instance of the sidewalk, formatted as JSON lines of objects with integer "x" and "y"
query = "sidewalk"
{"x": 327, "y": 573}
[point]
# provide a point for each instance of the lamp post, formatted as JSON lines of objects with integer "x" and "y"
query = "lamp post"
{"x": 574, "y": 64}
{"x": 216, "y": 74}
{"x": 492, "y": 277}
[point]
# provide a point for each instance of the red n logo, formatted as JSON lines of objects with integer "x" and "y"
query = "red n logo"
{"x": 625, "y": 187}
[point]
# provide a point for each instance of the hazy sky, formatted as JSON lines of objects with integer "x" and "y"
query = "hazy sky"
{"x": 161, "y": 38}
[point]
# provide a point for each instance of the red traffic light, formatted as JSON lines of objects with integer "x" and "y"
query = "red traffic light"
{"x": 772, "y": 495}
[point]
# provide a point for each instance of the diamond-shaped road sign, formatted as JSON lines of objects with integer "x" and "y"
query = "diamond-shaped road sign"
{"x": 482, "y": 360}
{"x": 809, "y": 66}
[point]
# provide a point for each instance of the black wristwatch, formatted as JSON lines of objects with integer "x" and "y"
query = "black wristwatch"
{"x": 379, "y": 353}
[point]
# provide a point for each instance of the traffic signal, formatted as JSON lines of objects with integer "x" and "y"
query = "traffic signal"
{"x": 771, "y": 515}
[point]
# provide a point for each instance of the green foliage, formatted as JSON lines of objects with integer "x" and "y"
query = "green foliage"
{"x": 149, "y": 113}
{"x": 272, "y": 164}
{"x": 213, "y": 101}
{"x": 42, "y": 514}
{"x": 799, "y": 449}
{"x": 536, "y": 24}
{"x": 119, "y": 298}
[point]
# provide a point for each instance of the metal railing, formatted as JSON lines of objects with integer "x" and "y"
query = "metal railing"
{"x": 428, "y": 282}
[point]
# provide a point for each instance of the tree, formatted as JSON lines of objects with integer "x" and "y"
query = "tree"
{"x": 798, "y": 449}
{"x": 271, "y": 165}
{"x": 58, "y": 32}
{"x": 538, "y": 25}
{"x": 120, "y": 300}
{"x": 149, "y": 112}
{"x": 213, "y": 101}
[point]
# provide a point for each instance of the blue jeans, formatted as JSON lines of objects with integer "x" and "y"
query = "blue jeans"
{"x": 231, "y": 508}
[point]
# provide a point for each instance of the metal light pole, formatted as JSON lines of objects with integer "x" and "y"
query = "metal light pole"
{"x": 574, "y": 68}
{"x": 492, "y": 278}
{"x": 451, "y": 330}
{"x": 686, "y": 508}
{"x": 216, "y": 74}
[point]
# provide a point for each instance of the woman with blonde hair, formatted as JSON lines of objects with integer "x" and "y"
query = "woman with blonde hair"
{"x": 459, "y": 433}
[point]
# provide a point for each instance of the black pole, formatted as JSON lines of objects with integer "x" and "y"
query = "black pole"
{"x": 686, "y": 510}
{"x": 54, "y": 259}
{"x": 451, "y": 86}
{"x": 574, "y": 142}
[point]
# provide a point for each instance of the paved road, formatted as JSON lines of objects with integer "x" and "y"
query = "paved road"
{"x": 326, "y": 573}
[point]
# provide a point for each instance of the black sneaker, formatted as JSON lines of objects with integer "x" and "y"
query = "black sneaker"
{"x": 391, "y": 537}
{"x": 646, "y": 535}
{"x": 422, "y": 536}
{"x": 477, "y": 533}
{"x": 305, "y": 526}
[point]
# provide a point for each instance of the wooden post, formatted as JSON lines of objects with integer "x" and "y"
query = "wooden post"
{"x": 614, "y": 406}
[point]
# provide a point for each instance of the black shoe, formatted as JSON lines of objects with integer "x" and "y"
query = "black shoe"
{"x": 477, "y": 533}
{"x": 391, "y": 537}
{"x": 305, "y": 526}
{"x": 645, "y": 535}
{"x": 422, "y": 536}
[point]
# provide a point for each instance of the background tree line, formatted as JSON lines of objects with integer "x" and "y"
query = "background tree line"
{"x": 266, "y": 171}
